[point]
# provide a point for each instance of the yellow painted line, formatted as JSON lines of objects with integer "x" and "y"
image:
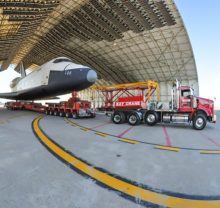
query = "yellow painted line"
{"x": 71, "y": 123}
{"x": 167, "y": 148}
{"x": 101, "y": 134}
{"x": 210, "y": 152}
{"x": 74, "y": 125}
{"x": 129, "y": 141}
{"x": 84, "y": 129}
{"x": 118, "y": 184}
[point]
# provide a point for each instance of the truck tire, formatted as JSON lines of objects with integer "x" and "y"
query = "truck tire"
{"x": 47, "y": 112}
{"x": 199, "y": 121}
{"x": 61, "y": 114}
{"x": 51, "y": 113}
{"x": 93, "y": 115}
{"x": 118, "y": 117}
{"x": 151, "y": 118}
{"x": 68, "y": 114}
{"x": 75, "y": 115}
{"x": 134, "y": 119}
{"x": 55, "y": 113}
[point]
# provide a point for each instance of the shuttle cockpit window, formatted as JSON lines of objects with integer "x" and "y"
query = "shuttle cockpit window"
{"x": 61, "y": 60}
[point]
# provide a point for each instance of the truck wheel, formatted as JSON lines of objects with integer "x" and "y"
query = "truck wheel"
{"x": 55, "y": 113}
{"x": 68, "y": 114}
{"x": 118, "y": 117}
{"x": 199, "y": 121}
{"x": 47, "y": 112}
{"x": 134, "y": 119}
{"x": 51, "y": 113}
{"x": 61, "y": 114}
{"x": 151, "y": 118}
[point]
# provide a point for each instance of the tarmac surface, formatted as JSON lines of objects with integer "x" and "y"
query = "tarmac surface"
{"x": 95, "y": 163}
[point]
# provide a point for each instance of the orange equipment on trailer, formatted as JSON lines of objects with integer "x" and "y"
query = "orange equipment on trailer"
{"x": 127, "y": 96}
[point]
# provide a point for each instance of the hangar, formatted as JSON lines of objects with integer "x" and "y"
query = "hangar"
{"x": 101, "y": 164}
{"x": 125, "y": 41}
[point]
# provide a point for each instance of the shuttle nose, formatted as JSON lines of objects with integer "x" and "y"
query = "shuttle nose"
{"x": 91, "y": 76}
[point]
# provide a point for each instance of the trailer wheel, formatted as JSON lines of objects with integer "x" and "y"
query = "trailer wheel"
{"x": 51, "y": 113}
{"x": 55, "y": 113}
{"x": 151, "y": 118}
{"x": 134, "y": 119}
{"x": 75, "y": 116}
{"x": 68, "y": 114}
{"x": 93, "y": 115}
{"x": 199, "y": 121}
{"x": 61, "y": 114}
{"x": 118, "y": 117}
{"x": 47, "y": 112}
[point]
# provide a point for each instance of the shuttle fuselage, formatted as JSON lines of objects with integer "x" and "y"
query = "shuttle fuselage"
{"x": 56, "y": 77}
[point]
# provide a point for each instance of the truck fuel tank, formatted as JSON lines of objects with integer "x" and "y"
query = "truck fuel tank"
{"x": 175, "y": 118}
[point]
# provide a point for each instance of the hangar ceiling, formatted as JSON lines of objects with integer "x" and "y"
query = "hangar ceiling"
{"x": 123, "y": 40}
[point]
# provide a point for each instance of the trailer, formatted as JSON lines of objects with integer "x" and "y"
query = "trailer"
{"x": 74, "y": 107}
{"x": 25, "y": 105}
{"x": 13, "y": 105}
{"x": 184, "y": 106}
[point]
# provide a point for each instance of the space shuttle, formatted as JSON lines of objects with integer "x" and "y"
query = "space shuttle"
{"x": 57, "y": 77}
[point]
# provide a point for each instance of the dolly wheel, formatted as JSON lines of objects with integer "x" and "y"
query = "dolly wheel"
{"x": 75, "y": 116}
{"x": 61, "y": 114}
{"x": 68, "y": 114}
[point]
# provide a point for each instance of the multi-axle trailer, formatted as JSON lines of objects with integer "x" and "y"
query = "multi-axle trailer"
{"x": 74, "y": 107}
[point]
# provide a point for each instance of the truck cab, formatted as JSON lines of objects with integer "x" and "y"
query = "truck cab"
{"x": 186, "y": 100}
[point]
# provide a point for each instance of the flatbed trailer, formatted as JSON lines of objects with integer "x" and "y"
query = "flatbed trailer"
{"x": 25, "y": 105}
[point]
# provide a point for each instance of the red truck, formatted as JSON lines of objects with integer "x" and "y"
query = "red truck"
{"x": 184, "y": 108}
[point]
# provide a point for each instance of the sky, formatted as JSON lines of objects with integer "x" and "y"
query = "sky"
{"x": 202, "y": 21}
{"x": 201, "y": 18}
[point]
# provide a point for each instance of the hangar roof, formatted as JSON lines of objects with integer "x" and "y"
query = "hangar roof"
{"x": 123, "y": 40}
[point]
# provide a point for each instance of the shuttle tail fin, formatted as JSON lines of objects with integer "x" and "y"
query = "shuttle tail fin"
{"x": 22, "y": 70}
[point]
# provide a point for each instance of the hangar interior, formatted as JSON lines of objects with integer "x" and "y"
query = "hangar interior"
{"x": 124, "y": 41}
{"x": 62, "y": 161}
